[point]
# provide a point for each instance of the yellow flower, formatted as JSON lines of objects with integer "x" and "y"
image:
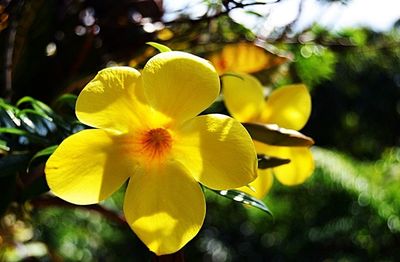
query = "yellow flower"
{"x": 288, "y": 107}
{"x": 244, "y": 57}
{"x": 147, "y": 130}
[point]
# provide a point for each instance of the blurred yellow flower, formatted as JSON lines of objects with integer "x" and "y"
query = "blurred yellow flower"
{"x": 147, "y": 130}
{"x": 165, "y": 34}
{"x": 244, "y": 57}
{"x": 288, "y": 107}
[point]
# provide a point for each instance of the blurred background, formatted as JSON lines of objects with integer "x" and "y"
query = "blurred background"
{"x": 346, "y": 51}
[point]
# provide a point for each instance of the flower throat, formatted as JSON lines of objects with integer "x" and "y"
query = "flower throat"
{"x": 156, "y": 142}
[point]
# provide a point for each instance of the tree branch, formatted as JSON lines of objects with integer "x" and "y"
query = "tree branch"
{"x": 229, "y": 6}
{"x": 9, "y": 54}
{"x": 45, "y": 202}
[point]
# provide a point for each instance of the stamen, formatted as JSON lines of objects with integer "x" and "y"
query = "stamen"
{"x": 156, "y": 142}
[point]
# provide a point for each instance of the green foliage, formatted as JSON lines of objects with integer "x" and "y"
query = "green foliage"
{"x": 347, "y": 211}
{"x": 29, "y": 130}
{"x": 356, "y": 36}
{"x": 376, "y": 183}
{"x": 357, "y": 110}
{"x": 328, "y": 218}
{"x": 77, "y": 234}
{"x": 314, "y": 64}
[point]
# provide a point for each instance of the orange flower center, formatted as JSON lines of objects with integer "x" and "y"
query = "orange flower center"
{"x": 156, "y": 142}
{"x": 222, "y": 64}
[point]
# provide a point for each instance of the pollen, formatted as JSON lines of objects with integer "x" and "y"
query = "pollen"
{"x": 156, "y": 142}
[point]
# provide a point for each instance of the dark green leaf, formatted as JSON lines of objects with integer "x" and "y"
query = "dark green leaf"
{"x": 20, "y": 132}
{"x": 244, "y": 198}
{"x": 37, "y": 105}
{"x": 28, "y": 111}
{"x": 37, "y": 187}
{"x": 42, "y": 155}
{"x": 67, "y": 99}
{"x": 270, "y": 161}
{"x": 42, "y": 107}
{"x": 277, "y": 136}
{"x": 27, "y": 123}
{"x": 13, "y": 163}
{"x": 9, "y": 117}
{"x": 7, "y": 189}
{"x": 217, "y": 107}
{"x": 36, "y": 122}
{"x": 159, "y": 47}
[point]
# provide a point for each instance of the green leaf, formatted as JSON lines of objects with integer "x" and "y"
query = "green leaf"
{"x": 37, "y": 105}
{"x": 9, "y": 115}
{"x": 218, "y": 107}
{"x": 42, "y": 107}
{"x": 277, "y": 136}
{"x": 25, "y": 99}
{"x": 3, "y": 145}
{"x": 265, "y": 162}
{"x": 232, "y": 74}
{"x": 13, "y": 131}
{"x": 28, "y": 111}
{"x": 20, "y": 132}
{"x": 67, "y": 99}
{"x": 42, "y": 154}
{"x": 159, "y": 47}
{"x": 13, "y": 163}
{"x": 4, "y": 105}
{"x": 244, "y": 198}
{"x": 35, "y": 122}
{"x": 250, "y": 12}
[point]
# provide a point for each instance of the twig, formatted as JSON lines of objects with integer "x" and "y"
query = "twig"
{"x": 80, "y": 58}
{"x": 289, "y": 26}
{"x": 10, "y": 53}
{"x": 228, "y": 8}
{"x": 44, "y": 202}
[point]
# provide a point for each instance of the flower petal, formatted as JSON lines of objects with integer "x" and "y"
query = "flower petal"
{"x": 180, "y": 85}
{"x": 217, "y": 151}
{"x": 87, "y": 168}
{"x": 261, "y": 185}
{"x": 301, "y": 164}
{"x": 244, "y": 57}
{"x": 165, "y": 207}
{"x": 288, "y": 107}
{"x": 113, "y": 100}
{"x": 243, "y": 95}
